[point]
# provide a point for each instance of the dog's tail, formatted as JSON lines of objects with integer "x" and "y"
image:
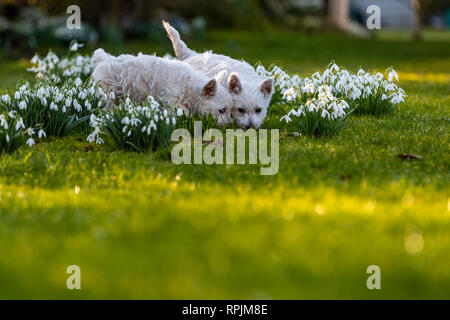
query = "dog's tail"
{"x": 99, "y": 56}
{"x": 181, "y": 50}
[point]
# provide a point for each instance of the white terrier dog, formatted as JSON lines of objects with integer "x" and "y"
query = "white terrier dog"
{"x": 251, "y": 94}
{"x": 173, "y": 82}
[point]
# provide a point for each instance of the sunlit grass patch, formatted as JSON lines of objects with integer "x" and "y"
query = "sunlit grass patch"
{"x": 425, "y": 77}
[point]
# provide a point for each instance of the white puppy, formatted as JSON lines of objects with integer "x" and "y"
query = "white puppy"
{"x": 173, "y": 82}
{"x": 251, "y": 93}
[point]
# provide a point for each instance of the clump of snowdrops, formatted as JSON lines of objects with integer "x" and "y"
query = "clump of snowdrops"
{"x": 363, "y": 91}
{"x": 139, "y": 127}
{"x": 59, "y": 69}
{"x": 14, "y": 133}
{"x": 315, "y": 112}
{"x": 56, "y": 109}
{"x": 320, "y": 103}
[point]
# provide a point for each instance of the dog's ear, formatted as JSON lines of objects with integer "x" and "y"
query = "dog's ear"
{"x": 234, "y": 84}
{"x": 210, "y": 88}
{"x": 267, "y": 87}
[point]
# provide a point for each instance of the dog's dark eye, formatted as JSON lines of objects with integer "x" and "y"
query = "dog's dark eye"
{"x": 258, "y": 110}
{"x": 223, "y": 110}
{"x": 241, "y": 110}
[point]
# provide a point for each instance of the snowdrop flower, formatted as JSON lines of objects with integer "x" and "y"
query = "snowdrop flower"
{"x": 75, "y": 46}
{"x": 286, "y": 118}
{"x": 12, "y": 114}
{"x": 17, "y": 95}
{"x": 30, "y": 142}
{"x": 93, "y": 121}
{"x": 361, "y": 73}
{"x": 77, "y": 106}
{"x": 35, "y": 59}
{"x": 134, "y": 122}
{"x": 334, "y": 67}
{"x": 325, "y": 114}
{"x": 125, "y": 121}
{"x": 290, "y": 94}
{"x": 53, "y": 106}
{"x": 6, "y": 99}
{"x": 22, "y": 105}
{"x": 397, "y": 98}
{"x": 3, "y": 122}
{"x": 20, "y": 124}
{"x": 367, "y": 92}
{"x": 308, "y": 88}
{"x": 40, "y": 93}
{"x": 300, "y": 111}
{"x": 78, "y": 82}
{"x": 93, "y": 136}
{"x": 311, "y": 106}
{"x": 41, "y": 134}
{"x": 392, "y": 75}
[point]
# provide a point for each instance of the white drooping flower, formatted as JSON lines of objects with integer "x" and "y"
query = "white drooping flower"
{"x": 78, "y": 82}
{"x": 41, "y": 134}
{"x": 392, "y": 75}
{"x": 6, "y": 98}
{"x": 76, "y": 105}
{"x": 290, "y": 94}
{"x": 20, "y": 124}
{"x": 3, "y": 122}
{"x": 22, "y": 105}
{"x": 30, "y": 142}
{"x": 53, "y": 106}
{"x": 75, "y": 46}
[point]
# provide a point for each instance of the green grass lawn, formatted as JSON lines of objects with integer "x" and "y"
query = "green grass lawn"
{"x": 140, "y": 227}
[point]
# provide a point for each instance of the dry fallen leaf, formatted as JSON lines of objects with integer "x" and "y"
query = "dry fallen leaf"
{"x": 408, "y": 156}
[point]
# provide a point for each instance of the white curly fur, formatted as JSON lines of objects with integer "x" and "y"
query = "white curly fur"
{"x": 251, "y": 93}
{"x": 173, "y": 82}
